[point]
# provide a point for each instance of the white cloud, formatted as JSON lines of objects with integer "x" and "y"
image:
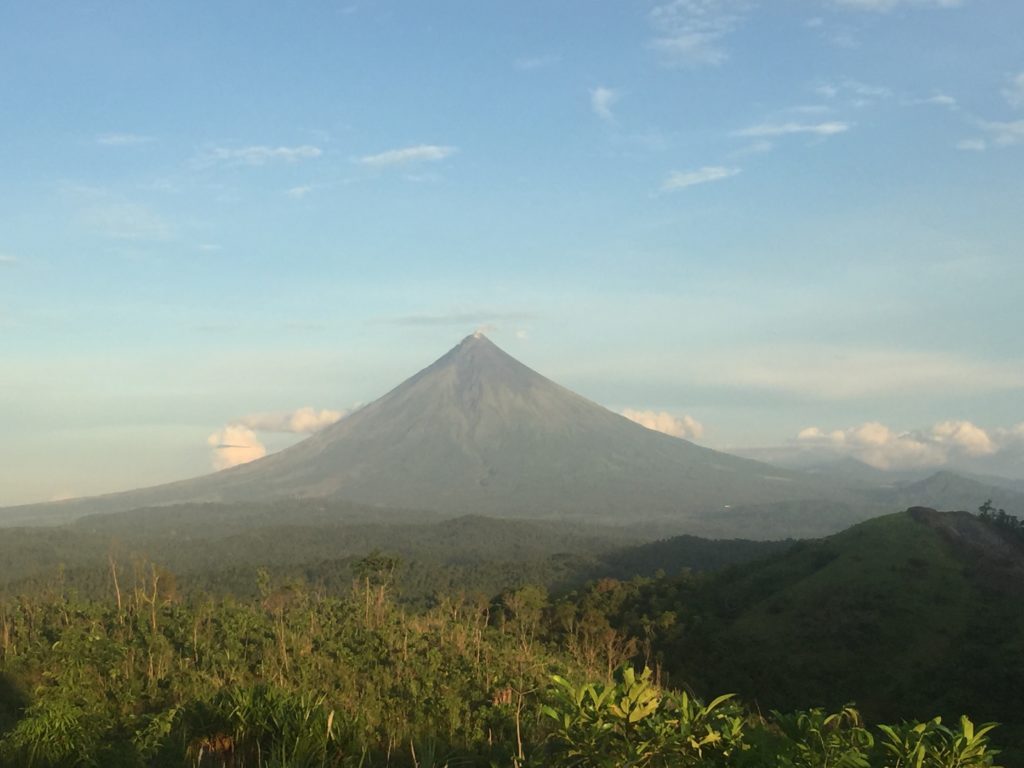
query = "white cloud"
{"x": 602, "y": 100}
{"x": 683, "y": 179}
{"x": 809, "y": 109}
{"x": 830, "y": 128}
{"x": 532, "y": 63}
{"x": 825, "y": 372}
{"x": 237, "y": 442}
{"x": 1014, "y": 91}
{"x": 261, "y": 155}
{"x": 1005, "y": 134}
{"x": 8, "y": 259}
{"x": 888, "y": 5}
{"x": 302, "y": 420}
{"x": 405, "y": 155}
{"x": 937, "y": 99}
{"x": 1010, "y": 438}
{"x": 867, "y": 91}
{"x": 125, "y": 221}
{"x": 691, "y": 32}
{"x": 882, "y": 447}
{"x": 972, "y": 145}
{"x": 233, "y": 445}
{"x": 684, "y": 426}
{"x": 754, "y": 148}
{"x": 857, "y": 93}
{"x": 462, "y": 319}
{"x": 877, "y": 445}
{"x": 965, "y": 436}
{"x": 691, "y": 48}
{"x": 123, "y": 139}
{"x": 297, "y": 193}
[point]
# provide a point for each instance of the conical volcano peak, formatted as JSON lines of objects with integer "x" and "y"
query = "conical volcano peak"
{"x": 477, "y": 339}
{"x": 478, "y": 431}
{"x": 478, "y": 352}
{"x": 477, "y": 361}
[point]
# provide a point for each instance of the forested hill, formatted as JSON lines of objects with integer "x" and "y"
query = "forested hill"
{"x": 913, "y": 612}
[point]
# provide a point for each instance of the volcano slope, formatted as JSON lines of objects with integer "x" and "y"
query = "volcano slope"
{"x": 479, "y": 432}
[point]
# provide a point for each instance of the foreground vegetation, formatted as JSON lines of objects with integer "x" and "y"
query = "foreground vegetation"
{"x": 914, "y": 616}
{"x": 299, "y": 678}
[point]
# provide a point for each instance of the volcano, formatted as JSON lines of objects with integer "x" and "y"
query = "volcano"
{"x": 479, "y": 432}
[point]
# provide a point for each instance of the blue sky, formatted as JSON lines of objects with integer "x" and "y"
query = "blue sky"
{"x": 773, "y": 218}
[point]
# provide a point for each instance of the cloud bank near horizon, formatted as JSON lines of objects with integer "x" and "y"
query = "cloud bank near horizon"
{"x": 684, "y": 426}
{"x": 237, "y": 442}
{"x": 882, "y": 447}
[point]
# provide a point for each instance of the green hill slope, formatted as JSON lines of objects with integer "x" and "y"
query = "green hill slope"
{"x": 910, "y": 613}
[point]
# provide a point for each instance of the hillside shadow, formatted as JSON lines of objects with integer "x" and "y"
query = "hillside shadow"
{"x": 12, "y": 703}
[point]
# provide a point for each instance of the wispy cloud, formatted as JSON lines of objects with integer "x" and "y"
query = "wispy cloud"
{"x": 123, "y": 139}
{"x": 124, "y": 221}
{"x": 855, "y": 92}
{"x": 830, "y": 128}
{"x": 1014, "y": 91}
{"x": 262, "y": 154}
{"x": 406, "y": 155}
{"x": 684, "y": 426}
{"x": 467, "y": 319}
{"x": 297, "y": 193}
{"x": 1005, "y": 134}
{"x": 7, "y": 260}
{"x": 938, "y": 100}
{"x": 888, "y": 5}
{"x": 691, "y": 32}
{"x": 867, "y": 89}
{"x": 759, "y": 147}
{"x": 941, "y": 99}
{"x": 682, "y": 179}
{"x": 602, "y": 100}
{"x": 809, "y": 109}
{"x": 972, "y": 145}
{"x": 834, "y": 32}
{"x": 300, "y": 421}
{"x": 533, "y": 63}
{"x": 853, "y": 373}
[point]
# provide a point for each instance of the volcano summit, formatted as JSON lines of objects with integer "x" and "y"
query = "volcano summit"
{"x": 479, "y": 432}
